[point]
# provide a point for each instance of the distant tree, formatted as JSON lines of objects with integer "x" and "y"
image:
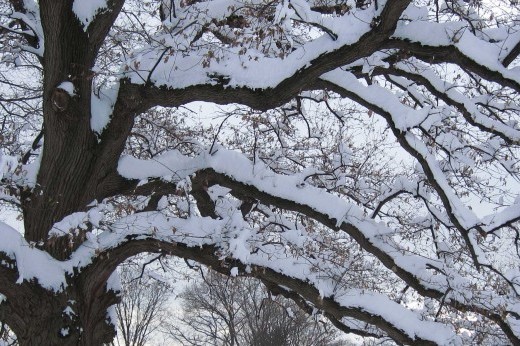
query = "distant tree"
{"x": 143, "y": 307}
{"x": 219, "y": 310}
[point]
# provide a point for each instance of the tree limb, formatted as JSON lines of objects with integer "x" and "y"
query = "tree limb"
{"x": 409, "y": 278}
{"x": 449, "y": 54}
{"x": 207, "y": 255}
{"x": 285, "y": 90}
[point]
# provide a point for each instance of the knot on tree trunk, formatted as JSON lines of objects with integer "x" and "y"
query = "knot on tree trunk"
{"x": 60, "y": 99}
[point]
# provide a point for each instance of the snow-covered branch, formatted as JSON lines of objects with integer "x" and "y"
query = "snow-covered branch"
{"x": 233, "y": 79}
{"x": 238, "y": 174}
{"x": 193, "y": 239}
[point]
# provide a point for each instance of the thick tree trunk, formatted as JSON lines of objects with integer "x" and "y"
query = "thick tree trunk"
{"x": 75, "y": 168}
{"x": 69, "y": 142}
{"x": 71, "y": 317}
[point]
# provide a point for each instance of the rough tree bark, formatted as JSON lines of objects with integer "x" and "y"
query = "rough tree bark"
{"x": 73, "y": 172}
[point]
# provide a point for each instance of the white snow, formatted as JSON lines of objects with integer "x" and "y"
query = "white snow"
{"x": 403, "y": 319}
{"x": 68, "y": 87}
{"x": 102, "y": 105}
{"x": 234, "y": 271}
{"x": 32, "y": 264}
{"x": 261, "y": 72}
{"x": 86, "y": 10}
{"x": 114, "y": 282}
{"x": 457, "y": 35}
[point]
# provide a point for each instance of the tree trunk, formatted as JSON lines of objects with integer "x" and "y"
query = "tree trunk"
{"x": 69, "y": 142}
{"x": 74, "y": 170}
{"x": 71, "y": 317}
{"x": 75, "y": 166}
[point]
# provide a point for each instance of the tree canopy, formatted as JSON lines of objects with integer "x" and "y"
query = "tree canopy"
{"x": 364, "y": 161}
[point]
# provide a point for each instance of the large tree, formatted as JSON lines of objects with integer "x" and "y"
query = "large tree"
{"x": 366, "y": 164}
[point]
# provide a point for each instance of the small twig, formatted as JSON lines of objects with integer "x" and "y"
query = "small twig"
{"x": 148, "y": 80}
{"x": 218, "y": 132}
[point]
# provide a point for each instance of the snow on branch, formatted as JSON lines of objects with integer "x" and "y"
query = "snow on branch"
{"x": 356, "y": 35}
{"x": 231, "y": 169}
{"x": 27, "y": 14}
{"x": 233, "y": 240}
